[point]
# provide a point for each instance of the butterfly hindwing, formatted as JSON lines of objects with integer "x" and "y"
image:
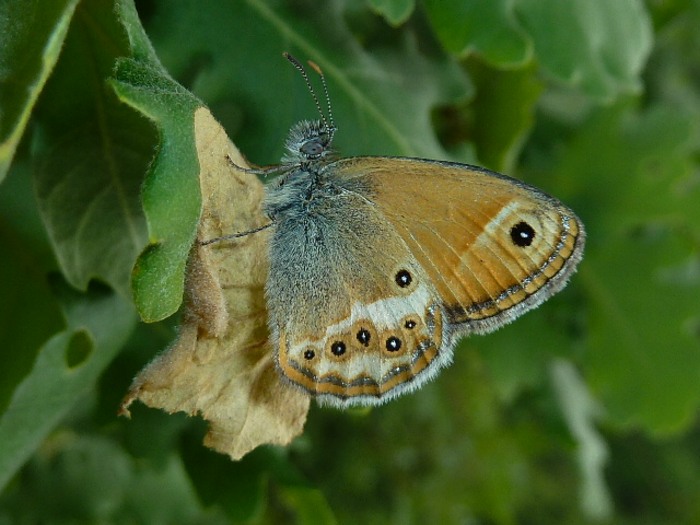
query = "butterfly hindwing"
{"x": 354, "y": 314}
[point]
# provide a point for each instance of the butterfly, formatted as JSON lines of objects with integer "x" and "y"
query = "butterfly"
{"x": 379, "y": 265}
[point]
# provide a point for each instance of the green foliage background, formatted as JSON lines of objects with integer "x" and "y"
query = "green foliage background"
{"x": 583, "y": 411}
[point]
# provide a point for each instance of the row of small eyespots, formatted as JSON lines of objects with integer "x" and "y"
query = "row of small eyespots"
{"x": 338, "y": 348}
{"x": 403, "y": 279}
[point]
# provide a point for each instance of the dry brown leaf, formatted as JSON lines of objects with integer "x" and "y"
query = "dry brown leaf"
{"x": 221, "y": 365}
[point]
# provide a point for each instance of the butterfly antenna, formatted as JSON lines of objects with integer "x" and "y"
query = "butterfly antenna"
{"x": 318, "y": 70}
{"x": 301, "y": 70}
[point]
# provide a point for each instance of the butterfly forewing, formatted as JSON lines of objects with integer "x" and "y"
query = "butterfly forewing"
{"x": 491, "y": 246}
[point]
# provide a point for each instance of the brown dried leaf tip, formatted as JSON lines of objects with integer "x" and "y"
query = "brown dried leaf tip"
{"x": 221, "y": 365}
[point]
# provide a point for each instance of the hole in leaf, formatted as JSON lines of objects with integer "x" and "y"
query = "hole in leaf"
{"x": 79, "y": 349}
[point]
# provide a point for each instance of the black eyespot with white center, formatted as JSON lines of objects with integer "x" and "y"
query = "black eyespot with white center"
{"x": 338, "y": 348}
{"x": 522, "y": 234}
{"x": 403, "y": 278}
{"x": 309, "y": 354}
{"x": 410, "y": 324}
{"x": 363, "y": 336}
{"x": 393, "y": 344}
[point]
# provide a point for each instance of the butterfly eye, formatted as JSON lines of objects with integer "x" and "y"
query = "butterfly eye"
{"x": 313, "y": 148}
{"x": 522, "y": 234}
{"x": 403, "y": 278}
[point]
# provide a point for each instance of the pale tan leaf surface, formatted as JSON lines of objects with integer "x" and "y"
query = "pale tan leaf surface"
{"x": 221, "y": 365}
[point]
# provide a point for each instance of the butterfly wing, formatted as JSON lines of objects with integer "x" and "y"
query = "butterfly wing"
{"x": 492, "y": 247}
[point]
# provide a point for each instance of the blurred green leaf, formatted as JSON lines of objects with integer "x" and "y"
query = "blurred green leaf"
{"x": 165, "y": 495}
{"x": 30, "y": 42}
{"x": 643, "y": 228}
{"x": 309, "y": 505}
{"x": 582, "y": 412}
{"x": 396, "y": 12}
{"x": 655, "y": 480}
{"x": 90, "y": 479}
{"x": 237, "y": 487}
{"x": 486, "y": 27}
{"x": 598, "y": 46}
{"x": 518, "y": 355}
{"x": 80, "y": 477}
{"x": 504, "y": 110}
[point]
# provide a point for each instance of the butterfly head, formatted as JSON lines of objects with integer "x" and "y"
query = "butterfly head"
{"x": 308, "y": 141}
